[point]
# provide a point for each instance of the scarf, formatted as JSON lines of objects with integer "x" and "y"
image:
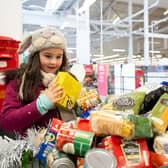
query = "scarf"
{"x": 47, "y": 80}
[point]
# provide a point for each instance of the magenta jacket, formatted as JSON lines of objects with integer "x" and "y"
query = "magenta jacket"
{"x": 18, "y": 117}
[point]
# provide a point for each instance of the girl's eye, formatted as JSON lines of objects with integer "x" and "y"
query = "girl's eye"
{"x": 47, "y": 56}
{"x": 58, "y": 57}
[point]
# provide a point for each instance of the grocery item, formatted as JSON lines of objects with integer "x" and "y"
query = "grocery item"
{"x": 80, "y": 162}
{"x": 74, "y": 141}
{"x": 129, "y": 101}
{"x": 151, "y": 99}
{"x": 161, "y": 144}
{"x": 49, "y": 140}
{"x": 56, "y": 159}
{"x": 98, "y": 157}
{"x": 88, "y": 100}
{"x": 107, "y": 143}
{"x": 159, "y": 114}
{"x": 83, "y": 125}
{"x": 104, "y": 123}
{"x": 71, "y": 87}
{"x": 159, "y": 160}
{"x": 131, "y": 153}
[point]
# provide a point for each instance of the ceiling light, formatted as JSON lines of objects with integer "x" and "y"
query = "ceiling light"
{"x": 53, "y": 5}
{"x": 86, "y": 5}
{"x": 65, "y": 24}
{"x": 106, "y": 57}
{"x": 158, "y": 56}
{"x": 116, "y": 20}
{"x": 154, "y": 51}
{"x": 166, "y": 12}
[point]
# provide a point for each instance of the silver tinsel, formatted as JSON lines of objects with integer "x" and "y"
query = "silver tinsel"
{"x": 11, "y": 150}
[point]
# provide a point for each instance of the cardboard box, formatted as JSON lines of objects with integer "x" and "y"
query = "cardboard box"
{"x": 72, "y": 90}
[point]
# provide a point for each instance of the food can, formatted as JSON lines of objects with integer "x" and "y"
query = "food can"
{"x": 97, "y": 157}
{"x": 56, "y": 159}
{"x": 107, "y": 143}
{"x": 74, "y": 141}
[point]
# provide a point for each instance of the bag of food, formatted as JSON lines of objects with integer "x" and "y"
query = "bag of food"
{"x": 129, "y": 101}
{"x": 161, "y": 144}
{"x": 151, "y": 99}
{"x": 104, "y": 123}
{"x": 128, "y": 126}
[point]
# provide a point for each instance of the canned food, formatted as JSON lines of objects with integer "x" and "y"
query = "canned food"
{"x": 107, "y": 143}
{"x": 74, "y": 141}
{"x": 98, "y": 157}
{"x": 56, "y": 159}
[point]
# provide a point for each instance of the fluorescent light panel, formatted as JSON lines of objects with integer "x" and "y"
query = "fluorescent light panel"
{"x": 166, "y": 12}
{"x": 52, "y": 5}
{"x": 107, "y": 57}
{"x": 86, "y": 5}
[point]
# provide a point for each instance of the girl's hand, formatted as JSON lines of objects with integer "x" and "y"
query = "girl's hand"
{"x": 55, "y": 92}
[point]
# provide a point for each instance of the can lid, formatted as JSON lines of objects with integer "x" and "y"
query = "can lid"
{"x": 97, "y": 157}
{"x": 63, "y": 163}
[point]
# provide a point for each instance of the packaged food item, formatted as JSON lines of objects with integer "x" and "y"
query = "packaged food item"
{"x": 131, "y": 153}
{"x": 161, "y": 144}
{"x": 74, "y": 141}
{"x": 159, "y": 160}
{"x": 98, "y": 157}
{"x": 107, "y": 143}
{"x": 80, "y": 162}
{"x": 109, "y": 123}
{"x": 83, "y": 125}
{"x": 56, "y": 159}
{"x": 49, "y": 141}
{"x": 159, "y": 114}
{"x": 88, "y": 100}
{"x": 71, "y": 87}
{"x": 151, "y": 99}
{"x": 129, "y": 101}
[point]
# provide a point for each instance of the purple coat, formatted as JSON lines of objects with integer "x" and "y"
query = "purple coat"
{"x": 18, "y": 117}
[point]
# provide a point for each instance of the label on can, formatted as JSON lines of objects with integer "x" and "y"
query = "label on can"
{"x": 56, "y": 159}
{"x": 82, "y": 142}
{"x": 73, "y": 141}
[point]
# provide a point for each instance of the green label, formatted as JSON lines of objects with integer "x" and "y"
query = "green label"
{"x": 82, "y": 142}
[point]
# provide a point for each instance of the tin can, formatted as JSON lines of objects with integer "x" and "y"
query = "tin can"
{"x": 107, "y": 143}
{"x": 74, "y": 141}
{"x": 98, "y": 157}
{"x": 56, "y": 159}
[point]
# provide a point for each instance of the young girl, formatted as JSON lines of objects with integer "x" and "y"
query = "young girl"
{"x": 30, "y": 99}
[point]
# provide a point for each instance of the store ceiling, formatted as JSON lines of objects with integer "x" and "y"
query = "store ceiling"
{"x": 35, "y": 16}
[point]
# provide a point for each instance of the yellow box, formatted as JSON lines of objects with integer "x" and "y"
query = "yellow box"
{"x": 71, "y": 87}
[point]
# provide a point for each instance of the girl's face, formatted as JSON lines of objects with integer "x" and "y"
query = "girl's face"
{"x": 51, "y": 59}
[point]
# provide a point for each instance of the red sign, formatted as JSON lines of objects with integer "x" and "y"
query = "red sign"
{"x": 88, "y": 69}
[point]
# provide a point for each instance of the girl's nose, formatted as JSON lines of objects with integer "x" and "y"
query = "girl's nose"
{"x": 53, "y": 61}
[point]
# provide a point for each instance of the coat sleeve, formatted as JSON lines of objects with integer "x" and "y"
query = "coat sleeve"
{"x": 14, "y": 115}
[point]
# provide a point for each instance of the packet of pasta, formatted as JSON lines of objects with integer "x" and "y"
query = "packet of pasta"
{"x": 104, "y": 123}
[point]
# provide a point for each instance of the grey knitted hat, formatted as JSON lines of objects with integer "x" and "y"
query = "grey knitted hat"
{"x": 41, "y": 39}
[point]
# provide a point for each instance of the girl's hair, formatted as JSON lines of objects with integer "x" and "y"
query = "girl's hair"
{"x": 31, "y": 71}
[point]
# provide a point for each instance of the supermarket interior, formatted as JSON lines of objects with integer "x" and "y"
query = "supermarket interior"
{"x": 103, "y": 101}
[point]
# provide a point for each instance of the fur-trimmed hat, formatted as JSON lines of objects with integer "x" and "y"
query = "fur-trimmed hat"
{"x": 41, "y": 39}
